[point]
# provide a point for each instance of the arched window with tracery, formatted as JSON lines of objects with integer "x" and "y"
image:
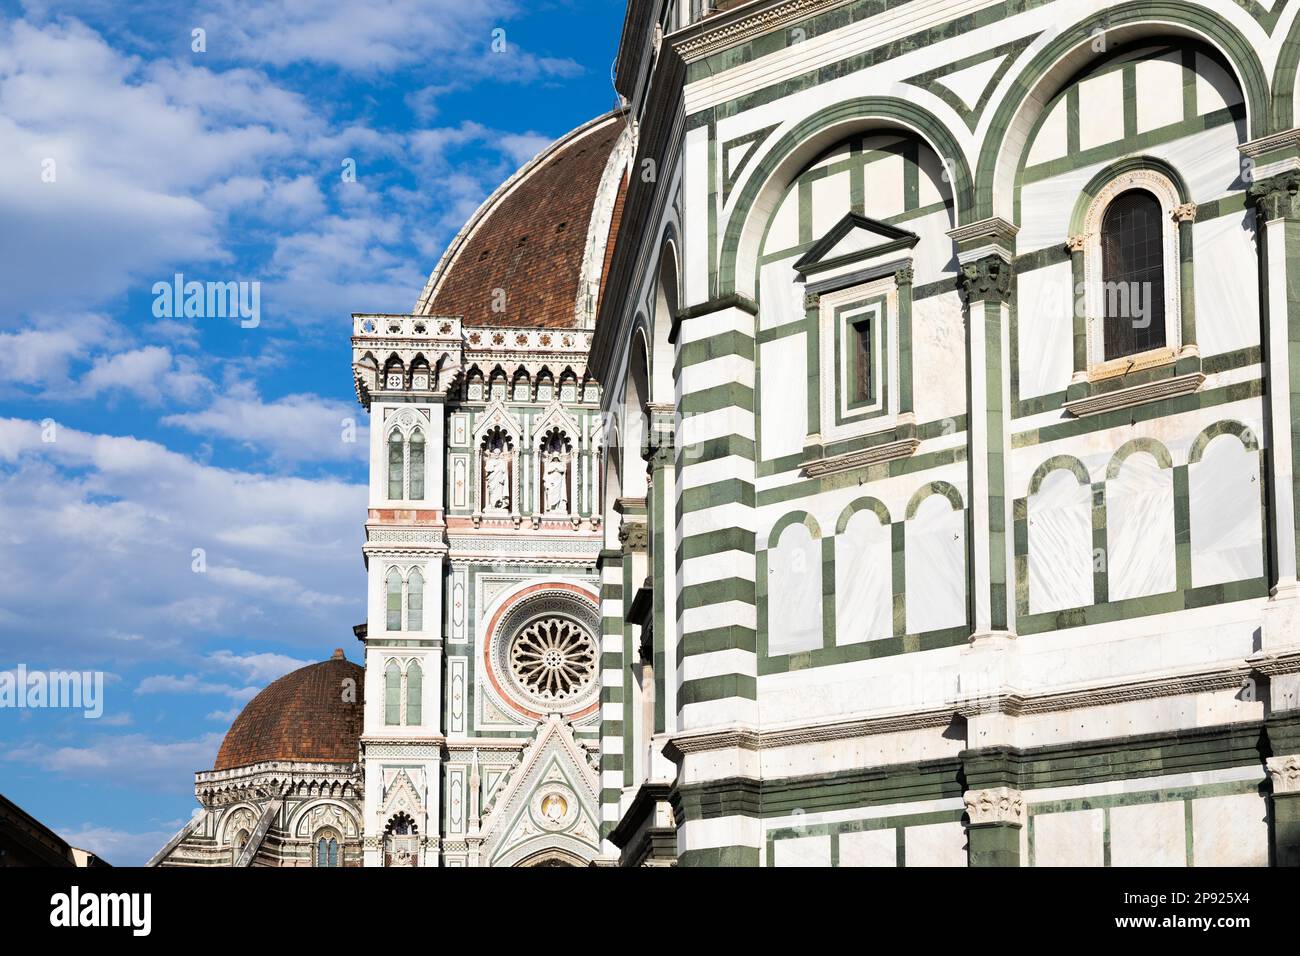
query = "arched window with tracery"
{"x": 414, "y": 694}
{"x": 415, "y": 601}
{"x": 393, "y": 592}
{"x": 417, "y": 465}
{"x": 1133, "y": 274}
{"x": 327, "y": 848}
{"x": 392, "y": 694}
{"x": 396, "y": 464}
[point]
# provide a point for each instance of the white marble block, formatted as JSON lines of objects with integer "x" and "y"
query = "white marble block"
{"x": 1060, "y": 544}
{"x": 1075, "y": 838}
{"x": 863, "y": 570}
{"x": 1140, "y": 528}
{"x": 1148, "y": 834}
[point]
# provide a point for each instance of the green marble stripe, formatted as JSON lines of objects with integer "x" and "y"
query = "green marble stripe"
{"x": 720, "y": 857}
{"x": 709, "y": 641}
{"x": 863, "y": 651}
{"x": 1130, "y": 608}
{"x": 721, "y": 687}
{"x": 719, "y": 493}
{"x": 725, "y": 590}
{"x": 731, "y": 343}
{"x": 714, "y": 449}
{"x": 862, "y": 475}
{"x": 727, "y": 395}
{"x": 714, "y": 542}
{"x": 1138, "y": 413}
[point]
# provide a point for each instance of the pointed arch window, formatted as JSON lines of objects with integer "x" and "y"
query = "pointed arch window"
{"x": 392, "y": 694}
{"x": 417, "y": 465}
{"x": 415, "y": 601}
{"x": 414, "y": 694}
{"x": 393, "y": 586}
{"x": 327, "y": 849}
{"x": 1133, "y": 274}
{"x": 396, "y": 464}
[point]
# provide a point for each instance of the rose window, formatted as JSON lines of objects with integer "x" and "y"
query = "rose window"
{"x": 553, "y": 659}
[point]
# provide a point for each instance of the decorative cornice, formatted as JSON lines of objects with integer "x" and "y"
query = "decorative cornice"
{"x": 724, "y": 30}
{"x": 1010, "y": 702}
{"x": 876, "y": 454}
{"x": 996, "y": 805}
{"x": 1135, "y": 395}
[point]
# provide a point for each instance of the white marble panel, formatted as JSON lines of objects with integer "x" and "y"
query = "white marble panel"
{"x": 935, "y": 844}
{"x": 1215, "y": 89}
{"x": 884, "y": 187}
{"x": 784, "y": 231}
{"x": 869, "y": 848}
{"x": 783, "y": 395}
{"x": 938, "y": 358}
{"x": 1050, "y": 143}
{"x": 935, "y": 560}
{"x": 1060, "y": 544}
{"x": 1159, "y": 85}
{"x": 1224, "y": 493}
{"x": 1227, "y": 314}
{"x": 863, "y": 593}
{"x": 802, "y": 851}
{"x": 1140, "y": 529}
{"x": 1045, "y": 330}
{"x": 1074, "y": 838}
{"x": 1101, "y": 109}
{"x": 933, "y": 255}
{"x": 780, "y": 297}
{"x": 1148, "y": 834}
{"x": 794, "y": 609}
{"x": 1230, "y": 830}
{"x": 830, "y": 201}
{"x": 931, "y": 185}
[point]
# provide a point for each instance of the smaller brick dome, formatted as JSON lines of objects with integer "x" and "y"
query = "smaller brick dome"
{"x": 302, "y": 716}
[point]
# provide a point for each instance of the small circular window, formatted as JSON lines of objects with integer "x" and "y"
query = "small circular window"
{"x": 553, "y": 659}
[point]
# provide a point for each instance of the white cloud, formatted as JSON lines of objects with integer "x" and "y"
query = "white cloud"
{"x": 118, "y": 847}
{"x": 108, "y": 528}
{"x": 294, "y": 428}
{"x": 131, "y": 759}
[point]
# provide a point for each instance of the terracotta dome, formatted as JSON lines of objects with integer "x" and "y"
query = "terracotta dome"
{"x": 302, "y": 716}
{"x": 544, "y": 238}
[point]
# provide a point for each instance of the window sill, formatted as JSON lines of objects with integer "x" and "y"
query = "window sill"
{"x": 1135, "y": 395}
{"x": 888, "y": 445}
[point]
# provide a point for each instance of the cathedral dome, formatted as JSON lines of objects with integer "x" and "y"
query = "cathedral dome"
{"x": 535, "y": 253}
{"x": 303, "y": 716}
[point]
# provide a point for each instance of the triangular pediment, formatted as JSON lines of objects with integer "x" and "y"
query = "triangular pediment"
{"x": 549, "y": 802}
{"x": 855, "y": 238}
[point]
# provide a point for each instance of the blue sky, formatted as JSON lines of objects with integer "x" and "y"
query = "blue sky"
{"x": 171, "y": 435}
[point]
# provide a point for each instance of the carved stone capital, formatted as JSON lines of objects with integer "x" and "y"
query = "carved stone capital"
{"x": 1184, "y": 212}
{"x": 1275, "y": 197}
{"x": 1077, "y": 243}
{"x": 904, "y": 276}
{"x": 986, "y": 278}
{"x": 995, "y": 805}
{"x": 1284, "y": 772}
{"x": 811, "y": 300}
{"x": 633, "y": 536}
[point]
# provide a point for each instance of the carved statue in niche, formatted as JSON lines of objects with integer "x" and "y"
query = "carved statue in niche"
{"x": 496, "y": 471}
{"x": 555, "y": 457}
